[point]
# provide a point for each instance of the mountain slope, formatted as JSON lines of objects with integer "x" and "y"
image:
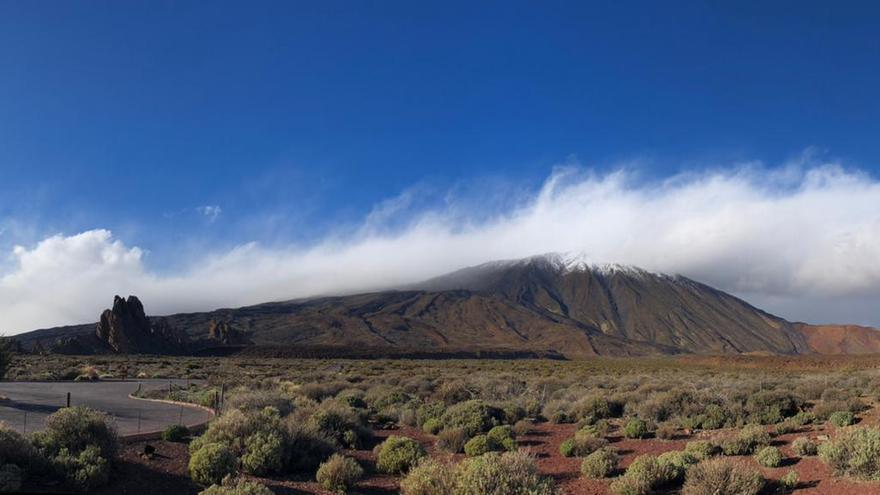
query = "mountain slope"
{"x": 840, "y": 339}
{"x": 552, "y": 303}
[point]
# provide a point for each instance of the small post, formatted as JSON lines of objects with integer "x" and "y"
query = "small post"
{"x": 68, "y": 399}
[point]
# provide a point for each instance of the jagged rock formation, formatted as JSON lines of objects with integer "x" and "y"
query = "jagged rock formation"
{"x": 543, "y": 305}
{"x": 226, "y": 334}
{"x": 126, "y": 329}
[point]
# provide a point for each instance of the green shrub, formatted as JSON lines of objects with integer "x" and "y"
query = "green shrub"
{"x": 645, "y": 474}
{"x": 722, "y": 477}
{"x": 211, "y": 463}
{"x": 452, "y": 440}
{"x": 677, "y": 463}
{"x": 264, "y": 453}
{"x": 581, "y": 445}
{"x": 522, "y": 427}
{"x": 340, "y": 423}
{"x": 339, "y": 473}
{"x": 511, "y": 473}
{"x": 15, "y": 449}
{"x": 854, "y": 452}
{"x": 735, "y": 446}
{"x": 790, "y": 480}
{"x": 429, "y": 411}
{"x": 432, "y": 426}
{"x": 11, "y": 478}
{"x": 600, "y": 464}
{"x": 842, "y": 418}
{"x": 755, "y": 436}
{"x": 635, "y": 428}
{"x": 175, "y": 433}
{"x": 701, "y": 449}
{"x": 771, "y": 407}
{"x": 236, "y": 486}
{"x": 306, "y": 447}
{"x": 478, "y": 445}
{"x": 429, "y": 477}
{"x": 769, "y": 457}
{"x": 398, "y": 454}
{"x": 80, "y": 444}
{"x": 804, "y": 446}
{"x": 473, "y": 416}
{"x": 628, "y": 485}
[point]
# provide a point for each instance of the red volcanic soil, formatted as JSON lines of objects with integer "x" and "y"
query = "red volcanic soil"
{"x": 166, "y": 472}
{"x": 840, "y": 339}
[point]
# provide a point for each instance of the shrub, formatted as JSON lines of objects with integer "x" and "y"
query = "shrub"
{"x": 432, "y": 426}
{"x": 452, "y": 440}
{"x": 398, "y": 454}
{"x": 10, "y": 478}
{"x": 646, "y": 473}
{"x": 581, "y": 445}
{"x": 264, "y": 453}
{"x": 429, "y": 477}
{"x": 677, "y": 463}
{"x": 339, "y": 473}
{"x": 771, "y": 407}
{"x": 786, "y": 427}
{"x": 80, "y": 443}
{"x": 635, "y": 428}
{"x": 804, "y": 446}
{"x": 627, "y": 485}
{"x": 211, "y": 463}
{"x": 735, "y": 446}
{"x": 175, "y": 433}
{"x": 722, "y": 477}
{"x": 478, "y": 445}
{"x": 473, "y": 416}
{"x": 666, "y": 431}
{"x": 340, "y": 423}
{"x": 307, "y": 447}
{"x": 842, "y": 418}
{"x": 854, "y": 452}
{"x": 511, "y": 473}
{"x": 754, "y": 436}
{"x": 790, "y": 480}
{"x": 236, "y": 486}
{"x": 17, "y": 450}
{"x": 769, "y": 457}
{"x": 522, "y": 427}
{"x": 701, "y": 449}
{"x": 429, "y": 411}
{"x": 600, "y": 464}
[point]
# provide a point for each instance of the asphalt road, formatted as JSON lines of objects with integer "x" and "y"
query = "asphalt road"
{"x": 31, "y": 402}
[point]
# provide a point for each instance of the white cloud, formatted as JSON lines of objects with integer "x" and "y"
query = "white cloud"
{"x": 803, "y": 242}
{"x": 211, "y": 212}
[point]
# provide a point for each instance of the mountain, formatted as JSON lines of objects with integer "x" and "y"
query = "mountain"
{"x": 840, "y": 339}
{"x": 545, "y": 305}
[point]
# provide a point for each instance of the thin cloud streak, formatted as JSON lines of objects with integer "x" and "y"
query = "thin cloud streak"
{"x": 802, "y": 241}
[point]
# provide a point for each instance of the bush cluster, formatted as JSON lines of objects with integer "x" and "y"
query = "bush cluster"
{"x": 722, "y": 477}
{"x": 398, "y": 454}
{"x": 510, "y": 473}
{"x": 339, "y": 473}
{"x": 854, "y": 452}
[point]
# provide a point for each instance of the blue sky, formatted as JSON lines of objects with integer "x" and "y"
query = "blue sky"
{"x": 298, "y": 122}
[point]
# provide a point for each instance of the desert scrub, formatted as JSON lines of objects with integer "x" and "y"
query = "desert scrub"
{"x": 264, "y": 453}
{"x": 211, "y": 463}
{"x": 581, "y": 444}
{"x": 473, "y": 416}
{"x": 769, "y": 457}
{"x": 522, "y": 427}
{"x": 236, "y": 486}
{"x": 339, "y": 422}
{"x": 677, "y": 463}
{"x": 854, "y": 452}
{"x": 429, "y": 477}
{"x": 511, "y": 473}
{"x": 804, "y": 446}
{"x": 789, "y": 481}
{"x": 432, "y": 426}
{"x": 635, "y": 428}
{"x": 842, "y": 418}
{"x": 499, "y": 439}
{"x": 600, "y": 464}
{"x": 17, "y": 450}
{"x": 722, "y": 477}
{"x": 175, "y": 433}
{"x": 80, "y": 443}
{"x": 452, "y": 440}
{"x": 702, "y": 449}
{"x": 339, "y": 473}
{"x": 642, "y": 476}
{"x": 398, "y": 454}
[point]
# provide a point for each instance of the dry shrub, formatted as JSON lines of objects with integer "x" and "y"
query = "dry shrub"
{"x": 722, "y": 477}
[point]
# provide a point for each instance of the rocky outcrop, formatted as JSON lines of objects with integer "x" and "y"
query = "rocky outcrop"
{"x": 224, "y": 333}
{"x": 126, "y": 329}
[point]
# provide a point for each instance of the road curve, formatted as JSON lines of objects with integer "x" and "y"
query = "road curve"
{"x": 29, "y": 403}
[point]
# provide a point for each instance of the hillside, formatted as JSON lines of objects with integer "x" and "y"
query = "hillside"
{"x": 550, "y": 305}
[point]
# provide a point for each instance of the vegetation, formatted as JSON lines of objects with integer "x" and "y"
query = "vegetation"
{"x": 769, "y": 457}
{"x": 854, "y": 452}
{"x": 722, "y": 477}
{"x": 398, "y": 454}
{"x": 236, "y": 486}
{"x": 175, "y": 433}
{"x": 600, "y": 464}
{"x": 339, "y": 473}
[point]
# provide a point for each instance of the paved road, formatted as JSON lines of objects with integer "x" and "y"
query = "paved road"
{"x": 31, "y": 402}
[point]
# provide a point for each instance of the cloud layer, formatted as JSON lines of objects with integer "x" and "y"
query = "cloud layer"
{"x": 801, "y": 241}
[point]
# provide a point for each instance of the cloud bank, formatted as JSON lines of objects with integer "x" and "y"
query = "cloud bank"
{"x": 800, "y": 241}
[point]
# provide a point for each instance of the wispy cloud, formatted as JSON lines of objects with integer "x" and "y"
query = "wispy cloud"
{"x": 211, "y": 212}
{"x": 802, "y": 240}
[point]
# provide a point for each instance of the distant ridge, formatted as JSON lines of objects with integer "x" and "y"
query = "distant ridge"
{"x": 552, "y": 305}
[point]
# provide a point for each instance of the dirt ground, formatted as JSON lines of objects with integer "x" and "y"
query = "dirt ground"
{"x": 165, "y": 472}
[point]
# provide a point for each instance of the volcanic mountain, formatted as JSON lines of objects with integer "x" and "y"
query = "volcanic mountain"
{"x": 545, "y": 305}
